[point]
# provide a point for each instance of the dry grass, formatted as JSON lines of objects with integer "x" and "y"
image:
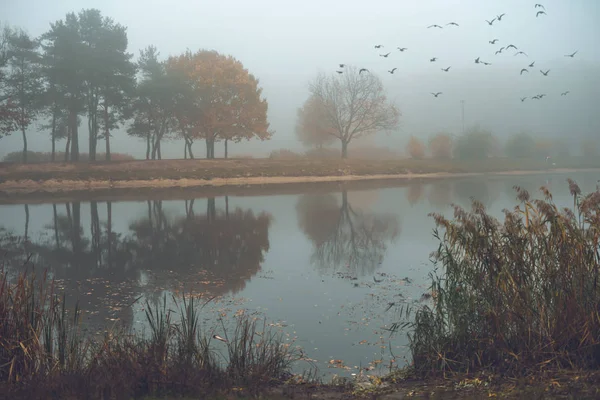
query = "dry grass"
{"x": 44, "y": 354}
{"x": 514, "y": 297}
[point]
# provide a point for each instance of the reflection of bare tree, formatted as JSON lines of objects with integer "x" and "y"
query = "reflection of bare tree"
{"x": 440, "y": 194}
{"x": 343, "y": 236}
{"x": 414, "y": 192}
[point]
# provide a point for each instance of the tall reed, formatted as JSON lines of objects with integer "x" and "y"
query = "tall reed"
{"x": 517, "y": 295}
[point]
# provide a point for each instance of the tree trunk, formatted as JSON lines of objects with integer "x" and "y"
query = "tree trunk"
{"x": 68, "y": 146}
{"x": 148, "y": 146}
{"x": 226, "y": 140}
{"x": 74, "y": 136}
{"x": 185, "y": 149}
{"x": 189, "y": 145}
{"x": 53, "y": 133}
{"x": 158, "y": 150}
{"x": 106, "y": 131}
{"x": 24, "y": 145}
{"x": 344, "y": 149}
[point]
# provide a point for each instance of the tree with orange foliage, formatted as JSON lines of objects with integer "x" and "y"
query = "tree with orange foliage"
{"x": 223, "y": 101}
{"x": 440, "y": 146}
{"x": 313, "y": 127}
{"x": 355, "y": 105}
{"x": 415, "y": 148}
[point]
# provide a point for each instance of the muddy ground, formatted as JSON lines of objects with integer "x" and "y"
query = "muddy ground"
{"x": 129, "y": 177}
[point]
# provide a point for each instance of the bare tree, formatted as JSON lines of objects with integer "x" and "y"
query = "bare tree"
{"x": 355, "y": 105}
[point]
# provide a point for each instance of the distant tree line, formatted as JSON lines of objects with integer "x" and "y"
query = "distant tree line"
{"x": 80, "y": 69}
{"x": 479, "y": 143}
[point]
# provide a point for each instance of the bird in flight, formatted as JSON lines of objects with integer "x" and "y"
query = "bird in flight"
{"x": 385, "y": 55}
{"x": 378, "y": 46}
{"x": 436, "y": 94}
{"x": 544, "y": 73}
{"x": 531, "y": 65}
{"x": 523, "y": 99}
{"x": 500, "y": 51}
{"x": 433, "y": 59}
{"x": 521, "y": 52}
{"x": 571, "y": 55}
{"x": 564, "y": 93}
{"x": 402, "y": 48}
{"x": 511, "y": 45}
{"x": 392, "y": 71}
{"x": 539, "y": 6}
{"x": 477, "y": 60}
{"x": 486, "y": 63}
{"x": 434, "y": 26}
{"x": 540, "y": 13}
{"x": 500, "y": 16}
{"x": 362, "y": 70}
{"x": 446, "y": 69}
{"x": 524, "y": 70}
{"x": 493, "y": 41}
{"x": 490, "y": 22}
{"x": 340, "y": 72}
{"x": 452, "y": 23}
{"x": 342, "y": 65}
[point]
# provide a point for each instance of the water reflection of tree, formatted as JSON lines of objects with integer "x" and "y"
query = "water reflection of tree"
{"x": 440, "y": 194}
{"x": 467, "y": 189}
{"x": 217, "y": 251}
{"x": 345, "y": 240}
{"x": 414, "y": 192}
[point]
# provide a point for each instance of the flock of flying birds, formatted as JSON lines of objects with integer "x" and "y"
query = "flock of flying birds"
{"x": 539, "y": 10}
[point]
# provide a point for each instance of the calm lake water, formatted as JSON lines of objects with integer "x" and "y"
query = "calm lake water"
{"x": 321, "y": 267}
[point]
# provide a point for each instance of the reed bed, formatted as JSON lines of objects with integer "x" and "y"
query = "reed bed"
{"x": 44, "y": 354}
{"x": 516, "y": 297}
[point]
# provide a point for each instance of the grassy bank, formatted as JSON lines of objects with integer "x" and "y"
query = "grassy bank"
{"x": 45, "y": 354}
{"x": 248, "y": 168}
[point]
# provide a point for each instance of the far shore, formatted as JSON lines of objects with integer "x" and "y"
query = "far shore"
{"x": 254, "y": 176}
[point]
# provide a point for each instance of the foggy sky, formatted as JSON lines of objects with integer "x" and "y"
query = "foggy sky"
{"x": 286, "y": 43}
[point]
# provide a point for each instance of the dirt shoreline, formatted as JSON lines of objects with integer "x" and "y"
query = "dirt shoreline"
{"x": 32, "y": 192}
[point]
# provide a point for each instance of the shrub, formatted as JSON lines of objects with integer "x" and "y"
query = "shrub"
{"x": 520, "y": 145}
{"x": 589, "y": 148}
{"x": 415, "y": 148}
{"x": 38, "y": 156}
{"x": 440, "y": 146}
{"x": 284, "y": 154}
{"x": 514, "y": 296}
{"x": 44, "y": 354}
{"x": 475, "y": 144}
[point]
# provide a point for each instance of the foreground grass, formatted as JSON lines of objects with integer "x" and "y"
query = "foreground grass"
{"x": 245, "y": 168}
{"x": 43, "y": 353}
{"x": 514, "y": 298}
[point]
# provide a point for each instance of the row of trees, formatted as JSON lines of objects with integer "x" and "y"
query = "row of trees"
{"x": 478, "y": 143}
{"x": 80, "y": 68}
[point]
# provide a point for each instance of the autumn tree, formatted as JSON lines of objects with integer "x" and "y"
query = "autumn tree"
{"x": 415, "y": 148}
{"x": 355, "y": 104}
{"x": 23, "y": 81}
{"x": 225, "y": 103}
{"x": 313, "y": 128}
{"x": 440, "y": 146}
